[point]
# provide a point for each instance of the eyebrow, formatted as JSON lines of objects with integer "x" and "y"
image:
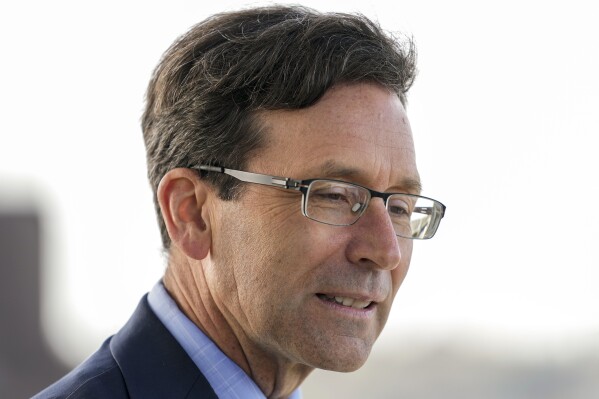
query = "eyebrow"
{"x": 331, "y": 168}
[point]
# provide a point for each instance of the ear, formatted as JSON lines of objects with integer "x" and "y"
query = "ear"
{"x": 183, "y": 200}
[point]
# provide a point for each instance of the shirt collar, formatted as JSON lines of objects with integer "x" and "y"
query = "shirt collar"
{"x": 227, "y": 379}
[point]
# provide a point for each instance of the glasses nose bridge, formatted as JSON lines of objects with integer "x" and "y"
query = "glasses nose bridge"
{"x": 376, "y": 194}
{"x": 372, "y": 195}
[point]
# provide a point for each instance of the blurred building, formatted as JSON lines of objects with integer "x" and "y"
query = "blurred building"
{"x": 26, "y": 363}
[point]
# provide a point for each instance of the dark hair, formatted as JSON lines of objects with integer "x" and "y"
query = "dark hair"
{"x": 203, "y": 96}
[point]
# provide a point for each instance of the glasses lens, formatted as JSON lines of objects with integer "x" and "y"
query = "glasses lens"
{"x": 413, "y": 216}
{"x": 335, "y": 203}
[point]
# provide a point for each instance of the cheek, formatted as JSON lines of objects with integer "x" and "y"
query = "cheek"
{"x": 295, "y": 253}
{"x": 285, "y": 263}
{"x": 274, "y": 255}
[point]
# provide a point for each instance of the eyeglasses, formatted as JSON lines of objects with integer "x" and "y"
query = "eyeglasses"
{"x": 340, "y": 203}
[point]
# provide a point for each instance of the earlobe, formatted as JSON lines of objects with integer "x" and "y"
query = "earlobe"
{"x": 183, "y": 200}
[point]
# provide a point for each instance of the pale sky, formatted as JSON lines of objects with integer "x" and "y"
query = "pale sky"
{"x": 504, "y": 114}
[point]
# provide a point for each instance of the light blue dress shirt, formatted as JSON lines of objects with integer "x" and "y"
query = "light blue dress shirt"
{"x": 227, "y": 379}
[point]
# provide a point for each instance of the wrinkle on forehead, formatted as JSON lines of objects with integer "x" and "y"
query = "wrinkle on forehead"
{"x": 362, "y": 126}
{"x": 379, "y": 142}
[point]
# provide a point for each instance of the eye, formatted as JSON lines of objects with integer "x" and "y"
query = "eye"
{"x": 399, "y": 208}
{"x": 341, "y": 196}
{"x": 398, "y": 211}
{"x": 332, "y": 194}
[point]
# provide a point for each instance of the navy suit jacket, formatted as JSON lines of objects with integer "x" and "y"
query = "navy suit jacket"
{"x": 142, "y": 361}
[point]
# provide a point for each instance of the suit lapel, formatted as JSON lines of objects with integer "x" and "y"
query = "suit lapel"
{"x": 153, "y": 363}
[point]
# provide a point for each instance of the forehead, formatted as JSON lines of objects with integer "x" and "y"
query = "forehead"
{"x": 358, "y": 132}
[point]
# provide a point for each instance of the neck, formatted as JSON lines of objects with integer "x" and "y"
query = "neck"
{"x": 186, "y": 283}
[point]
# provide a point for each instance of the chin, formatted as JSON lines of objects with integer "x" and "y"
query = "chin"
{"x": 346, "y": 358}
{"x": 343, "y": 365}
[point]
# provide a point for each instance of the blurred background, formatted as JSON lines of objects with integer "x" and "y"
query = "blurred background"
{"x": 502, "y": 303}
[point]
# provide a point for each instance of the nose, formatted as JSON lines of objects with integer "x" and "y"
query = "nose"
{"x": 374, "y": 241}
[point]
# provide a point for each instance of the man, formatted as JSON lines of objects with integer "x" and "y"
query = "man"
{"x": 287, "y": 193}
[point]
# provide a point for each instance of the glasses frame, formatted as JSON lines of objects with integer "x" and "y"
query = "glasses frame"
{"x": 303, "y": 185}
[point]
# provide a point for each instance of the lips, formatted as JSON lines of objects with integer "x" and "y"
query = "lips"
{"x": 346, "y": 301}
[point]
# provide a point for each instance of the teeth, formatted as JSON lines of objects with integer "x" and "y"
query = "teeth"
{"x": 360, "y": 304}
{"x": 349, "y": 302}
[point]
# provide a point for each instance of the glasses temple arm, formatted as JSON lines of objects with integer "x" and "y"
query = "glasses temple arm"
{"x": 249, "y": 177}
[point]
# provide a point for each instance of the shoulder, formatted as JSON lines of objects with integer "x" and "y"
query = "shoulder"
{"x": 98, "y": 377}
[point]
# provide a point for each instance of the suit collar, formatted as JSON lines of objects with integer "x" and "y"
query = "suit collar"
{"x": 153, "y": 363}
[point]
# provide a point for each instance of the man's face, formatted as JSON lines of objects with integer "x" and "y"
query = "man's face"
{"x": 274, "y": 273}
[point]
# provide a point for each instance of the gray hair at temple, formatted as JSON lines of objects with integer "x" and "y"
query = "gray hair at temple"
{"x": 205, "y": 94}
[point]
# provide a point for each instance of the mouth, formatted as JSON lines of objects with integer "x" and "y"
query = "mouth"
{"x": 346, "y": 301}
